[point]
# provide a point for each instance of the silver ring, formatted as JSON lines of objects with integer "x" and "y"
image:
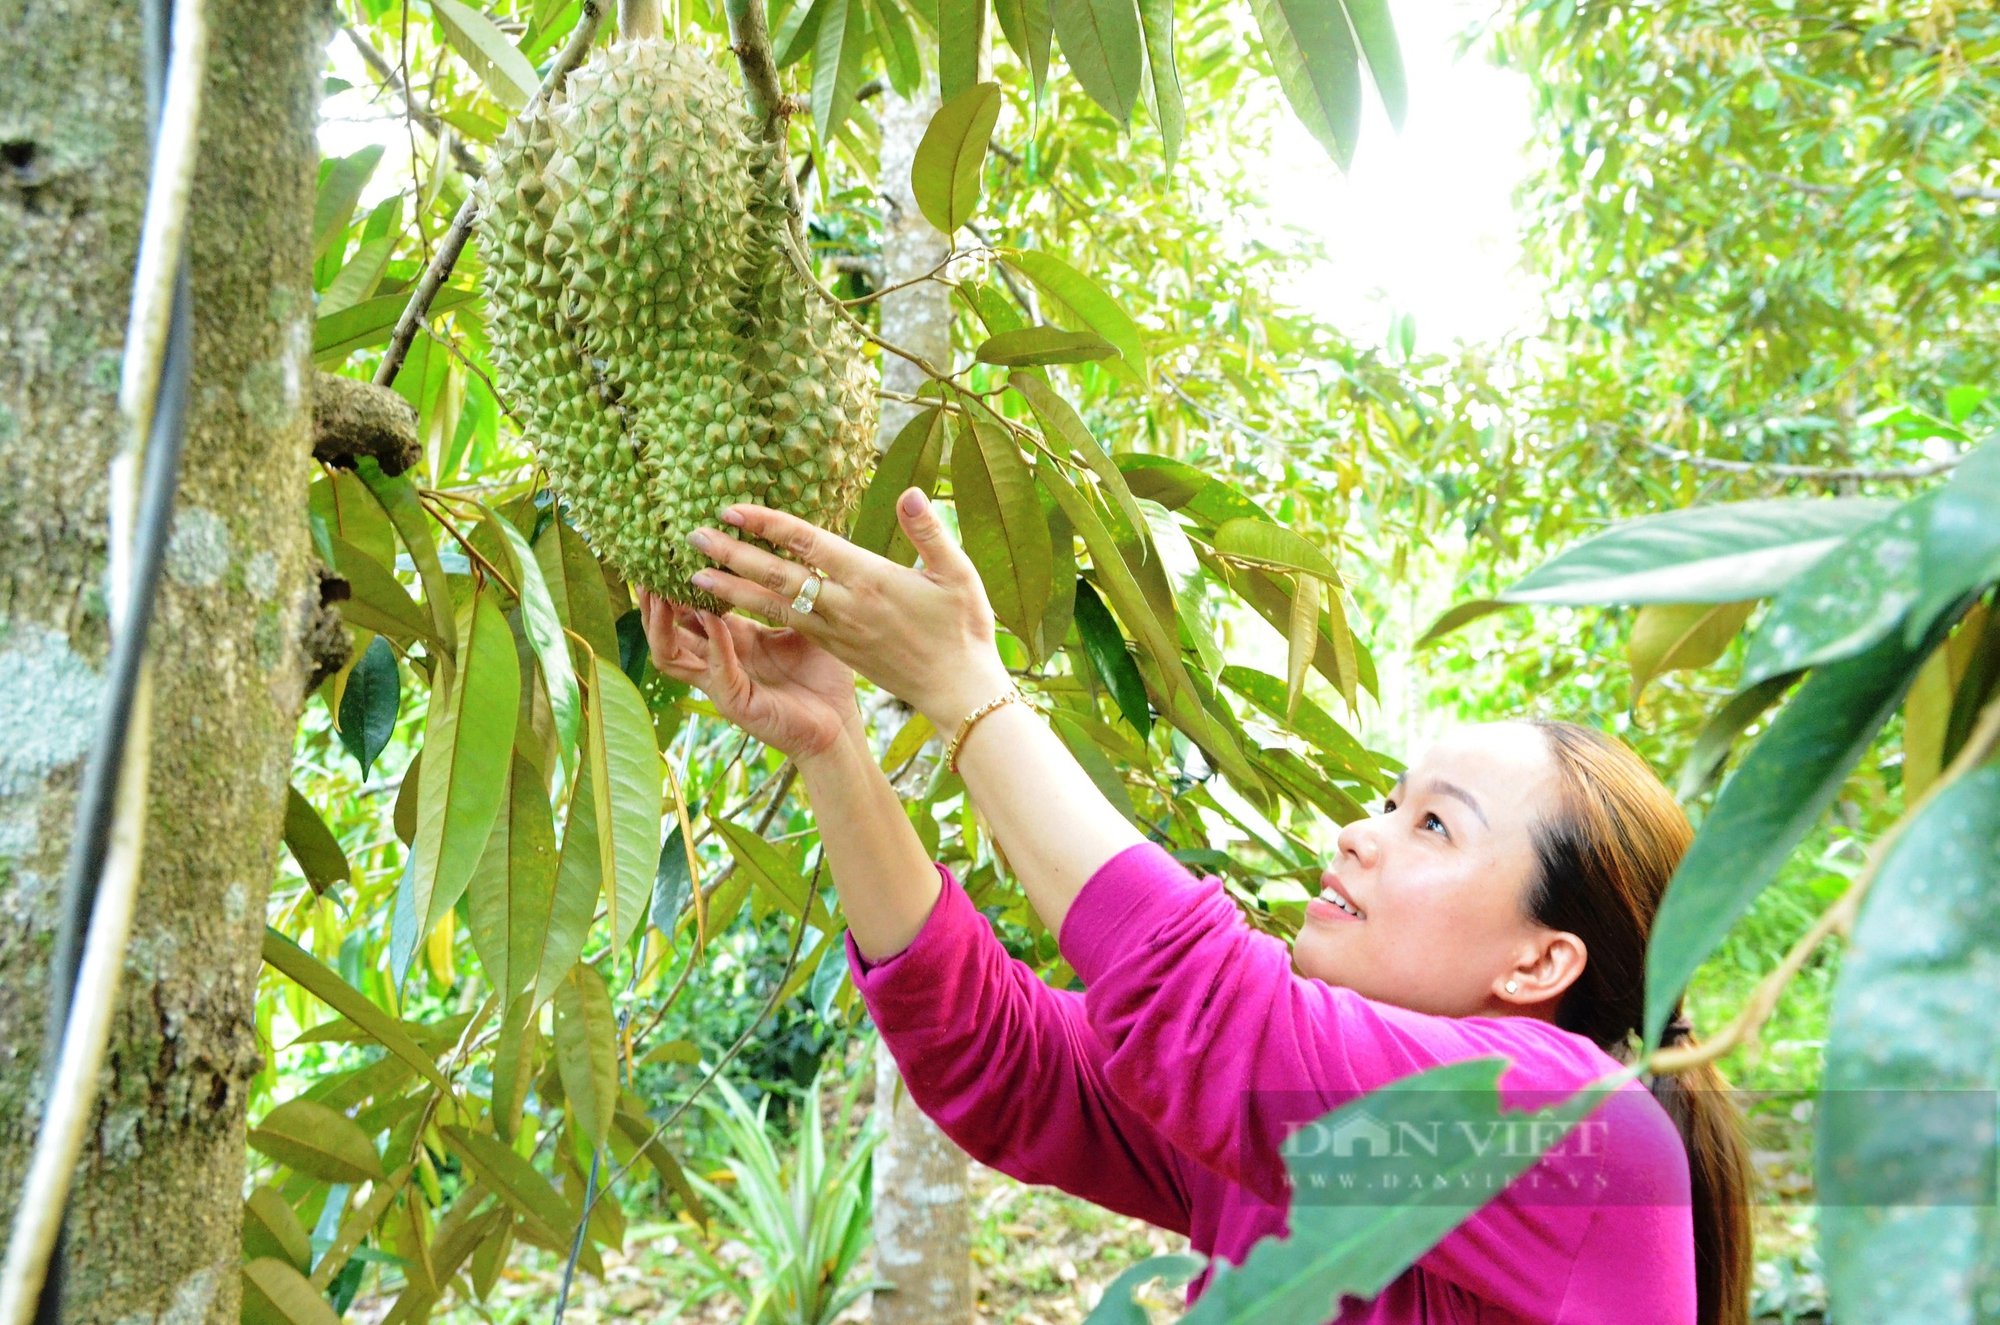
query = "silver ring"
{"x": 809, "y": 591}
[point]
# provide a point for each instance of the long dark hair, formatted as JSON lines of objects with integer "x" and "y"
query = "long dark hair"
{"x": 1604, "y": 859}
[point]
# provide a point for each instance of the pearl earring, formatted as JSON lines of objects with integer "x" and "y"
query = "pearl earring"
{"x": 1513, "y": 987}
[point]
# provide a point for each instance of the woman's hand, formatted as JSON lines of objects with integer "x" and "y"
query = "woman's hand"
{"x": 924, "y": 634}
{"x": 775, "y": 684}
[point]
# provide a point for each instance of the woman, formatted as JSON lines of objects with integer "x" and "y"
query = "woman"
{"x": 1498, "y": 905}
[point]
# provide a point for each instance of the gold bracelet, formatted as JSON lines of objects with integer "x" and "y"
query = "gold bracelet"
{"x": 1012, "y": 696}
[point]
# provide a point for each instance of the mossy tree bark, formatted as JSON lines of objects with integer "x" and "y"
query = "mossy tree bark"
{"x": 923, "y": 1229}
{"x": 157, "y": 1204}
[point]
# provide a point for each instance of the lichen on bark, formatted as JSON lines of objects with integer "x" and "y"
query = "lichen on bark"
{"x": 156, "y": 1210}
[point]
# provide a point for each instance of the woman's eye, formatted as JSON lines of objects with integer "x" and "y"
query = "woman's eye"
{"x": 1430, "y": 817}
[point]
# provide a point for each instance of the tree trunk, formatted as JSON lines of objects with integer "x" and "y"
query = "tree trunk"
{"x": 156, "y": 1208}
{"x": 923, "y": 1232}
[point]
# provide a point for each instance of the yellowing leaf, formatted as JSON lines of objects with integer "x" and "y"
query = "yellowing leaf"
{"x": 276, "y": 1294}
{"x": 586, "y": 1043}
{"x": 312, "y": 1139}
{"x": 1301, "y": 640}
{"x": 1670, "y": 637}
{"x": 944, "y": 176}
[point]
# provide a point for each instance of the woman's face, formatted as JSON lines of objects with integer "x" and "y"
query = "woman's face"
{"x": 1440, "y": 876}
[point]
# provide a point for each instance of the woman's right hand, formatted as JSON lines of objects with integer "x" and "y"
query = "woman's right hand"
{"x": 777, "y": 685}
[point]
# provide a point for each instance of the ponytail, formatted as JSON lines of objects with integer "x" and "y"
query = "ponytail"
{"x": 1604, "y": 860}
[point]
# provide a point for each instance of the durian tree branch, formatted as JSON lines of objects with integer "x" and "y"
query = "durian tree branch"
{"x": 446, "y": 258}
{"x": 750, "y": 38}
{"x": 467, "y": 160}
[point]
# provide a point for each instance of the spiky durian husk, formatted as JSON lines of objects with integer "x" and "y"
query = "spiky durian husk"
{"x": 667, "y": 358}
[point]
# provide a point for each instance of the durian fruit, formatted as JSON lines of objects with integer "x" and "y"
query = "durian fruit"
{"x": 662, "y": 353}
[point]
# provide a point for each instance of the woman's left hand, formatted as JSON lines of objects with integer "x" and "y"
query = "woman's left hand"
{"x": 925, "y": 634}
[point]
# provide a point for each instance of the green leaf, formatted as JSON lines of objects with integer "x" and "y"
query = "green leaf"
{"x": 1028, "y": 25}
{"x": 1044, "y": 345}
{"x": 358, "y": 279}
{"x": 543, "y": 627}
{"x": 1156, "y": 19}
{"x": 1845, "y": 601}
{"x": 1961, "y": 540}
{"x": 350, "y": 511}
{"x": 502, "y": 68}
{"x": 272, "y": 1228}
{"x": 370, "y": 322}
{"x": 468, "y": 740}
{"x": 1060, "y": 422}
{"x": 1179, "y": 486}
{"x": 1308, "y": 719}
{"x": 961, "y": 38}
{"x": 370, "y": 703}
{"x": 579, "y": 878}
{"x": 797, "y": 32}
{"x": 376, "y": 600}
{"x": 628, "y": 793}
{"x": 399, "y": 499}
{"x": 1001, "y": 523}
{"x": 770, "y": 871}
{"x": 1100, "y": 39}
{"x": 898, "y": 43}
{"x": 510, "y": 902}
{"x": 1706, "y": 554}
{"x": 516, "y": 1181}
{"x": 514, "y": 1061}
{"x": 313, "y": 844}
{"x": 1669, "y": 637}
{"x": 320, "y": 1142}
{"x": 1904, "y": 1138}
{"x": 1778, "y": 792}
{"x": 673, "y": 883}
{"x": 836, "y": 65}
{"x": 944, "y": 175}
{"x": 306, "y": 970}
{"x": 576, "y": 584}
{"x": 1053, "y": 628}
{"x": 1266, "y": 544}
{"x": 1104, "y": 647}
{"x": 1370, "y": 20}
{"x": 275, "y": 1293}
{"x": 1312, "y": 52}
{"x": 1340, "y": 1248}
{"x": 1116, "y": 1307}
{"x": 586, "y": 1043}
{"x": 1087, "y": 299}
{"x": 339, "y": 190}
{"x": 1711, "y": 745}
{"x": 910, "y": 462}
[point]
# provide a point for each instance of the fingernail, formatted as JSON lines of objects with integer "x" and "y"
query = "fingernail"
{"x": 732, "y": 516}
{"x": 913, "y": 502}
{"x": 703, "y": 580}
{"x": 699, "y": 538}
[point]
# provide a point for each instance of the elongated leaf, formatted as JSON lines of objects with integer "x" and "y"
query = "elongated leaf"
{"x": 398, "y": 496}
{"x": 1711, "y": 745}
{"x": 1300, "y": 640}
{"x": 1053, "y": 628}
{"x": 1060, "y": 422}
{"x": 1670, "y": 637}
{"x": 275, "y": 1293}
{"x": 351, "y": 512}
{"x": 797, "y": 32}
{"x": 1339, "y": 1248}
{"x": 313, "y": 844}
{"x": 1273, "y": 545}
{"x": 370, "y": 322}
{"x": 1087, "y": 299}
{"x": 1961, "y": 542}
{"x": 272, "y": 1228}
{"x": 1002, "y": 525}
{"x": 1312, "y": 51}
{"x": 1156, "y": 19}
{"x": 836, "y": 65}
{"x": 375, "y": 600}
{"x": 514, "y": 1063}
{"x": 313, "y": 1139}
{"x": 776, "y": 876}
{"x": 468, "y": 740}
{"x": 898, "y": 43}
{"x": 370, "y": 703}
{"x": 944, "y": 175}
{"x": 510, "y": 899}
{"x": 357, "y": 280}
{"x": 1846, "y": 601}
{"x": 1116, "y": 1307}
{"x": 1100, "y": 39}
{"x": 579, "y": 877}
{"x": 628, "y": 795}
{"x": 1784, "y": 783}
{"x": 1028, "y": 26}
{"x": 1706, "y": 554}
{"x": 1370, "y": 19}
{"x": 1104, "y": 647}
{"x": 575, "y": 582}
{"x": 1905, "y": 1136}
{"x": 910, "y": 462}
{"x": 310, "y": 974}
{"x": 500, "y": 66}
{"x": 543, "y": 626}
{"x": 961, "y": 28}
{"x": 542, "y": 1208}
{"x": 1179, "y": 486}
{"x": 339, "y": 190}
{"x": 1044, "y": 345}
{"x": 586, "y": 1041}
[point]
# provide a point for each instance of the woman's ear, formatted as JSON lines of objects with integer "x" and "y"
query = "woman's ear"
{"x": 1548, "y": 966}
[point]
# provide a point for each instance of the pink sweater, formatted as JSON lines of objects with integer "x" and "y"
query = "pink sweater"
{"x": 1165, "y": 1089}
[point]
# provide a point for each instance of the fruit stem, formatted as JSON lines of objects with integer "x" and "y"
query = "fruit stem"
{"x": 639, "y": 18}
